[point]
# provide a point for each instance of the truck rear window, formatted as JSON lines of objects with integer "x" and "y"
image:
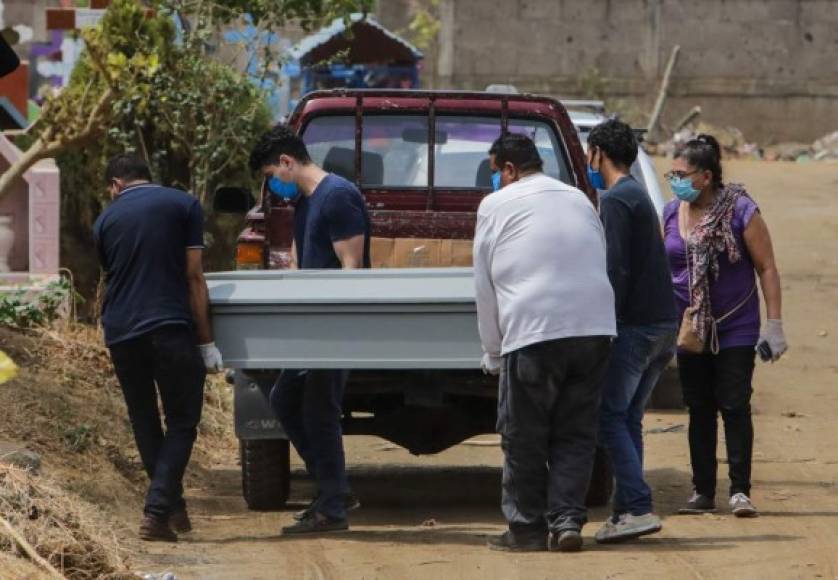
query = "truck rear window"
{"x": 395, "y": 149}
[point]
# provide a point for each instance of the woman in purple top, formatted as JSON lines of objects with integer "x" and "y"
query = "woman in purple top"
{"x": 714, "y": 274}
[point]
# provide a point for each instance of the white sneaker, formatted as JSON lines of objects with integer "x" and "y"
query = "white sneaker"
{"x": 741, "y": 506}
{"x": 628, "y": 527}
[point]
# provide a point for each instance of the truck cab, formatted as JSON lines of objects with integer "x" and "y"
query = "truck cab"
{"x": 420, "y": 158}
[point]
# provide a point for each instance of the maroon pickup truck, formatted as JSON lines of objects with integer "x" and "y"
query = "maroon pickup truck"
{"x": 420, "y": 158}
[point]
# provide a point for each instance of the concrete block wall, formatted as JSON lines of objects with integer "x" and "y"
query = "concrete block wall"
{"x": 765, "y": 66}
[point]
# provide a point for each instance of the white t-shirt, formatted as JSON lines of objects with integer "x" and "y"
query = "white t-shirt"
{"x": 540, "y": 266}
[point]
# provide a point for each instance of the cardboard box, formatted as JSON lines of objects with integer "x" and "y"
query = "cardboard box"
{"x": 457, "y": 253}
{"x": 420, "y": 253}
{"x": 381, "y": 252}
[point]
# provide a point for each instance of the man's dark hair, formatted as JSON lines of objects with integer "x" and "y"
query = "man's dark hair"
{"x": 519, "y": 150}
{"x": 616, "y": 140}
{"x": 127, "y": 167}
{"x": 280, "y": 140}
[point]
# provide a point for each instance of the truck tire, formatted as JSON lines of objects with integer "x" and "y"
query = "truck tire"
{"x": 602, "y": 481}
{"x": 266, "y": 473}
{"x": 667, "y": 394}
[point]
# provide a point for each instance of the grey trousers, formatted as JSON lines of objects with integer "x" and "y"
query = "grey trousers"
{"x": 548, "y": 411}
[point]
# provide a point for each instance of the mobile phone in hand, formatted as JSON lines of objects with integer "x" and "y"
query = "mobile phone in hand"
{"x": 765, "y": 351}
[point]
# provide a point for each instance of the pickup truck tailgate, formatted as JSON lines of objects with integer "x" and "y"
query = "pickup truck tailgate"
{"x": 346, "y": 319}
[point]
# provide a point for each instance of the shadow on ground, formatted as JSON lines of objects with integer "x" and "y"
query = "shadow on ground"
{"x": 400, "y": 487}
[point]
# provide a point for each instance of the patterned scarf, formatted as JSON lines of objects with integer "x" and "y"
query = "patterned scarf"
{"x": 712, "y": 236}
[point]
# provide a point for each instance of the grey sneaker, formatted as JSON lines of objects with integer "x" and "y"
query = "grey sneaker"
{"x": 566, "y": 541}
{"x": 699, "y": 504}
{"x": 628, "y": 527}
{"x": 741, "y": 506}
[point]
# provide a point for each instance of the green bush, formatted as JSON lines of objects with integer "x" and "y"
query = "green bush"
{"x": 20, "y": 311}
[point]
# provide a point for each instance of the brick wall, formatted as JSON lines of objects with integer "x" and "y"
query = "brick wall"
{"x": 769, "y": 67}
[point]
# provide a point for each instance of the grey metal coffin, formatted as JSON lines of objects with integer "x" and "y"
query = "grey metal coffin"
{"x": 346, "y": 319}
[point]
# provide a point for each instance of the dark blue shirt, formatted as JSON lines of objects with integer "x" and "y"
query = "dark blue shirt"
{"x": 336, "y": 211}
{"x": 637, "y": 263}
{"x": 142, "y": 238}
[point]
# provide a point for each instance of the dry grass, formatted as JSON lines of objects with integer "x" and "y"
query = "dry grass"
{"x": 67, "y": 406}
{"x": 14, "y": 568}
{"x": 63, "y": 530}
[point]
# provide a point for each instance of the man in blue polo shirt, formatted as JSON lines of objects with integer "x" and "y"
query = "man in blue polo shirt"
{"x": 331, "y": 230}
{"x": 157, "y": 327}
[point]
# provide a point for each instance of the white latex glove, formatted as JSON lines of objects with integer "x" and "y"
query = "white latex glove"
{"x": 774, "y": 337}
{"x": 212, "y": 358}
{"x": 491, "y": 364}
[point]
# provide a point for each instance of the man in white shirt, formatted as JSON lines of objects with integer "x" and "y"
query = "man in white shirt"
{"x": 546, "y": 318}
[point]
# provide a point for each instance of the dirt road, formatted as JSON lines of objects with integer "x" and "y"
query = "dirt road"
{"x": 427, "y": 518}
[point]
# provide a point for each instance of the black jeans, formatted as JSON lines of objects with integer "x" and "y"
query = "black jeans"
{"x": 309, "y": 405}
{"x": 548, "y": 409}
{"x": 165, "y": 360}
{"x": 714, "y": 384}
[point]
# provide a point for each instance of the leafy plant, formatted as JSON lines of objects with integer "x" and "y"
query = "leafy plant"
{"x": 18, "y": 309}
{"x": 146, "y": 82}
{"x": 77, "y": 114}
{"x": 423, "y": 29}
{"x": 79, "y": 439}
{"x": 425, "y": 23}
{"x": 157, "y": 85}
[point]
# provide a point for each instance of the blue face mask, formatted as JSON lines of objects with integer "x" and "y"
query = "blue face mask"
{"x": 683, "y": 189}
{"x": 286, "y": 191}
{"x": 496, "y": 180}
{"x": 596, "y": 179}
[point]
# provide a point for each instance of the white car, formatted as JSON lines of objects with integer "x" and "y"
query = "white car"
{"x": 586, "y": 115}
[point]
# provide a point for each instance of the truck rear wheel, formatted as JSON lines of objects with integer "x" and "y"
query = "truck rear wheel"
{"x": 602, "y": 480}
{"x": 266, "y": 473}
{"x": 667, "y": 394}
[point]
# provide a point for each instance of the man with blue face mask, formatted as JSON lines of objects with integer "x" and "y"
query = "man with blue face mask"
{"x": 331, "y": 231}
{"x": 545, "y": 314}
{"x": 646, "y": 324}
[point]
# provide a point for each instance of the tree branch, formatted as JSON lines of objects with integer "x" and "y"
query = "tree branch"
{"x": 30, "y": 551}
{"x": 47, "y": 146}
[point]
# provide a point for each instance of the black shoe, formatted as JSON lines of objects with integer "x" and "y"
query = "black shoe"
{"x": 510, "y": 542}
{"x": 566, "y": 541}
{"x": 180, "y": 522}
{"x": 351, "y": 503}
{"x": 699, "y": 504}
{"x": 156, "y": 529}
{"x": 316, "y": 523}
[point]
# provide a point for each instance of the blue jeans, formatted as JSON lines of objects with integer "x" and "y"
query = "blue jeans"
{"x": 639, "y": 356}
{"x": 309, "y": 405}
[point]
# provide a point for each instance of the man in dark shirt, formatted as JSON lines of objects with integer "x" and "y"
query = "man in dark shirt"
{"x": 331, "y": 230}
{"x": 646, "y": 325}
{"x": 157, "y": 327}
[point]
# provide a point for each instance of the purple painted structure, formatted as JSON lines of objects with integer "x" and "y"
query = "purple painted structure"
{"x": 50, "y": 51}
{"x": 34, "y": 206}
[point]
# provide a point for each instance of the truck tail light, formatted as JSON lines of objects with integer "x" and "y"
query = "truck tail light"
{"x": 250, "y": 256}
